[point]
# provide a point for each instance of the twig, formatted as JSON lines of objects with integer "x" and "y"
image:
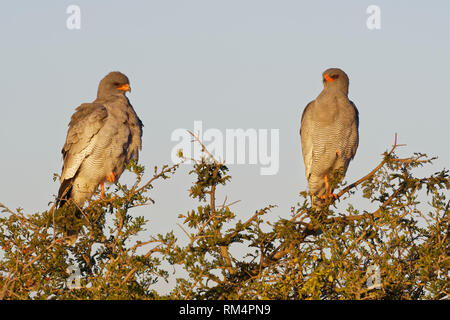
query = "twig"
{"x": 156, "y": 176}
{"x": 147, "y": 255}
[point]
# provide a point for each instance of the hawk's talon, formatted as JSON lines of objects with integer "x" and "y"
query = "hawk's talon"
{"x": 328, "y": 196}
{"x": 333, "y": 196}
{"x": 111, "y": 178}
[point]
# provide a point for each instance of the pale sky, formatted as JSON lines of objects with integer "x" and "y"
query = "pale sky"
{"x": 230, "y": 64}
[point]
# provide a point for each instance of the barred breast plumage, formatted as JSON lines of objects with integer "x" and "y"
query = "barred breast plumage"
{"x": 329, "y": 134}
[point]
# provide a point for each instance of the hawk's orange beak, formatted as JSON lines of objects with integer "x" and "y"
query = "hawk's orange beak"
{"x": 125, "y": 87}
{"x": 327, "y": 78}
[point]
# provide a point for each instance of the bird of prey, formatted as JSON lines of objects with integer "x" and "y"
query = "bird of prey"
{"x": 329, "y": 136}
{"x": 102, "y": 137}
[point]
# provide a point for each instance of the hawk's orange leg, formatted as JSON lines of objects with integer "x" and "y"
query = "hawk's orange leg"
{"x": 102, "y": 189}
{"x": 327, "y": 188}
{"x": 111, "y": 178}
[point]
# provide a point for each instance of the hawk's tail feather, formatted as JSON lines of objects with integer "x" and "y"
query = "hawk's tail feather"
{"x": 64, "y": 193}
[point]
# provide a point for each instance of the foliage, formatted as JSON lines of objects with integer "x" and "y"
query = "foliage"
{"x": 314, "y": 254}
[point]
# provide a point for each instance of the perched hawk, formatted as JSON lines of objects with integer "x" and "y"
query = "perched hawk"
{"x": 102, "y": 137}
{"x": 329, "y": 136}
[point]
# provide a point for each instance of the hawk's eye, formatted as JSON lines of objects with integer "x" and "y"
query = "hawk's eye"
{"x": 335, "y": 76}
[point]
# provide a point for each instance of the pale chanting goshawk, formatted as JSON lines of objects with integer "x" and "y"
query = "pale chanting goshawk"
{"x": 329, "y": 136}
{"x": 102, "y": 137}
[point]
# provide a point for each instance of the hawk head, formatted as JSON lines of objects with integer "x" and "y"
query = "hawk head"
{"x": 112, "y": 84}
{"x": 335, "y": 78}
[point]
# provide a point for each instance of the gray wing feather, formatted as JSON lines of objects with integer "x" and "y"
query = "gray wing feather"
{"x": 354, "y": 138}
{"x": 85, "y": 123}
{"x": 135, "y": 125}
{"x": 306, "y": 139}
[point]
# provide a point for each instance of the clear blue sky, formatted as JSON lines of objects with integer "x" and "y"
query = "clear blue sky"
{"x": 231, "y": 64}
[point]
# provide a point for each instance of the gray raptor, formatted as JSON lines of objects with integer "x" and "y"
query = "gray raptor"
{"x": 329, "y": 136}
{"x": 102, "y": 137}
